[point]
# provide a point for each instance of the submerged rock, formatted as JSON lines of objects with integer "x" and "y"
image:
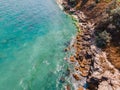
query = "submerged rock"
{"x": 67, "y": 72}
{"x": 62, "y": 79}
{"x": 66, "y": 49}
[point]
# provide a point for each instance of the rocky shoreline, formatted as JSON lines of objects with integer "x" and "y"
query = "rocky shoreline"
{"x": 92, "y": 69}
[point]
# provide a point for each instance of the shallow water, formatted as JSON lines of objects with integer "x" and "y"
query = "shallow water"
{"x": 33, "y": 34}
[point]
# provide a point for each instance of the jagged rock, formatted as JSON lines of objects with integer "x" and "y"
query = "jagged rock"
{"x": 111, "y": 26}
{"x": 84, "y": 70}
{"x": 78, "y": 37}
{"x": 85, "y": 44}
{"x": 76, "y": 76}
{"x": 81, "y": 35}
{"x": 72, "y": 59}
{"x": 68, "y": 87}
{"x": 72, "y": 10}
{"x": 79, "y": 43}
{"x": 85, "y": 62}
{"x": 88, "y": 55}
{"x": 66, "y": 7}
{"x": 84, "y": 73}
{"x": 77, "y": 56}
{"x": 76, "y": 68}
{"x": 66, "y": 49}
{"x": 86, "y": 38}
{"x": 77, "y": 46}
{"x": 105, "y": 86}
{"x": 87, "y": 33}
{"x": 104, "y": 78}
{"x": 81, "y": 64}
{"x": 83, "y": 52}
{"x": 79, "y": 40}
{"x": 87, "y": 67}
{"x": 78, "y": 49}
{"x": 93, "y": 83}
{"x": 81, "y": 88}
{"x": 80, "y": 57}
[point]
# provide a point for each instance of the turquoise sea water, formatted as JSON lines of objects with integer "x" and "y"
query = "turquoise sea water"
{"x": 33, "y": 34}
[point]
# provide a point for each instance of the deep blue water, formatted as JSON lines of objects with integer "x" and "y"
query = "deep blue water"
{"x": 33, "y": 34}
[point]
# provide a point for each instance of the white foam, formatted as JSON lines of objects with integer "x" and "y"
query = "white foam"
{"x": 22, "y": 85}
{"x": 46, "y": 62}
{"x": 21, "y": 82}
{"x": 59, "y": 2}
{"x": 58, "y": 68}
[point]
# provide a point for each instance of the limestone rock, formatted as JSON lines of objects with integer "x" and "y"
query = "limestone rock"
{"x": 105, "y": 86}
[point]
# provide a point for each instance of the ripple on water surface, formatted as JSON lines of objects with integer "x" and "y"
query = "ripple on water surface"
{"x": 32, "y": 37}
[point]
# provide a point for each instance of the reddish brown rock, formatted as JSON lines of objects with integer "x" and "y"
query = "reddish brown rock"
{"x": 86, "y": 62}
{"x": 77, "y": 46}
{"x": 78, "y": 37}
{"x": 79, "y": 40}
{"x": 84, "y": 73}
{"x": 81, "y": 88}
{"x": 76, "y": 68}
{"x": 87, "y": 67}
{"x": 76, "y": 76}
{"x": 68, "y": 87}
{"x": 78, "y": 43}
{"x": 66, "y": 49}
{"x": 78, "y": 50}
{"x": 81, "y": 69}
{"x": 85, "y": 43}
{"x": 72, "y": 59}
{"x": 82, "y": 64}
